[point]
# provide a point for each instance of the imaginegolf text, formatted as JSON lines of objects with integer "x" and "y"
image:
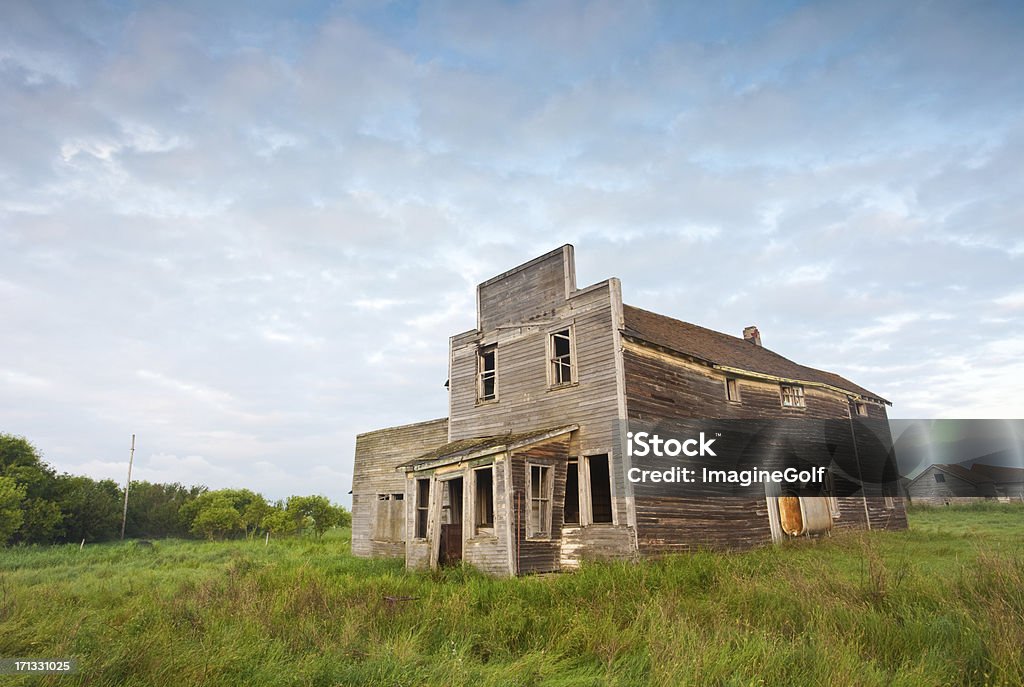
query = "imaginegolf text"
{"x": 743, "y": 478}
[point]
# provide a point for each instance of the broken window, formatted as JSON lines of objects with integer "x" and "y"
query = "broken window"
{"x": 561, "y": 357}
{"x": 572, "y": 494}
{"x": 862, "y": 409}
{"x": 939, "y": 477}
{"x": 483, "y": 499}
{"x": 600, "y": 489}
{"x": 389, "y": 520}
{"x": 487, "y": 388}
{"x": 732, "y": 390}
{"x": 540, "y": 501}
{"x": 422, "y": 502}
{"x": 792, "y": 396}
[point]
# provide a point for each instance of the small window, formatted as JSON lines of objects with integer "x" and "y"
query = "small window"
{"x": 600, "y": 489}
{"x": 939, "y": 477}
{"x": 487, "y": 387}
{"x": 572, "y": 494}
{"x": 483, "y": 499}
{"x": 383, "y": 497}
{"x": 792, "y": 396}
{"x": 422, "y": 502}
{"x": 561, "y": 357}
{"x": 862, "y": 409}
{"x": 398, "y": 497}
{"x": 732, "y": 390}
{"x": 890, "y": 502}
{"x": 540, "y": 501}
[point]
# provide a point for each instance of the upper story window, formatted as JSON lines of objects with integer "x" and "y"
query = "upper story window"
{"x": 487, "y": 383}
{"x": 732, "y": 390}
{"x": 862, "y": 409}
{"x": 939, "y": 477}
{"x": 560, "y": 353}
{"x": 793, "y": 396}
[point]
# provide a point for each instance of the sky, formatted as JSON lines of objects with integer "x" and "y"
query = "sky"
{"x": 245, "y": 231}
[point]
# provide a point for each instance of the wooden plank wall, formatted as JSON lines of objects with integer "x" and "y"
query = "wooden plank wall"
{"x": 538, "y": 555}
{"x": 662, "y": 386}
{"x": 377, "y": 455}
{"x": 525, "y": 400}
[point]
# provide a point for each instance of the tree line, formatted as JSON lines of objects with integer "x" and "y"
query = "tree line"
{"x": 39, "y": 506}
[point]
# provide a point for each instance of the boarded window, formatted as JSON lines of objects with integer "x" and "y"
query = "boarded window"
{"x": 561, "y": 357}
{"x": 389, "y": 520}
{"x": 540, "y": 501}
{"x": 939, "y": 477}
{"x": 488, "y": 384}
{"x": 792, "y": 396}
{"x": 422, "y": 502}
{"x": 483, "y": 498}
{"x": 732, "y": 390}
{"x": 600, "y": 489}
{"x": 572, "y": 494}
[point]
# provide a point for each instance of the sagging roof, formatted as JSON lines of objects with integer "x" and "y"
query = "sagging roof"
{"x": 999, "y": 474}
{"x": 721, "y": 349}
{"x": 466, "y": 449}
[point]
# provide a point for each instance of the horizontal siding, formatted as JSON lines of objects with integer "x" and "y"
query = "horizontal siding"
{"x": 377, "y": 456}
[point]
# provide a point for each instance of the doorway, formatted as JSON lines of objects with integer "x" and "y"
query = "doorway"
{"x": 450, "y": 548}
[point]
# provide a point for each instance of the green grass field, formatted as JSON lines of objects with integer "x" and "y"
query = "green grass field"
{"x": 940, "y": 604}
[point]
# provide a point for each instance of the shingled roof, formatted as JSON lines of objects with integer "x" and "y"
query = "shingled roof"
{"x": 721, "y": 349}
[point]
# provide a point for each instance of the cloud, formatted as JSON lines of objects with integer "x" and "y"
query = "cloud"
{"x": 247, "y": 237}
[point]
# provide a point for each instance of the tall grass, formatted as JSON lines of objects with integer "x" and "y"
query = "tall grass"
{"x": 941, "y": 604}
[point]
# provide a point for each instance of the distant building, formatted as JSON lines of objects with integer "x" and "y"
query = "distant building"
{"x": 1008, "y": 481}
{"x": 942, "y": 484}
{"x": 528, "y": 473}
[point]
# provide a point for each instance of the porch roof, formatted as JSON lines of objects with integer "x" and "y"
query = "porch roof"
{"x": 468, "y": 449}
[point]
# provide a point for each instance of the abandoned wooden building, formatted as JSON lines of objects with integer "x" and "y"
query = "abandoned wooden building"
{"x": 946, "y": 484}
{"x": 528, "y": 473}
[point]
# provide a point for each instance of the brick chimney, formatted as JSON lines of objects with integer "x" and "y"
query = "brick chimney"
{"x": 752, "y": 335}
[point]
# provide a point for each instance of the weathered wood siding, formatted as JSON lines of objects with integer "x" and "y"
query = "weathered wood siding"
{"x": 518, "y": 312}
{"x": 374, "y": 531}
{"x": 543, "y": 554}
{"x": 660, "y": 385}
{"x": 487, "y": 550}
{"x": 924, "y": 489}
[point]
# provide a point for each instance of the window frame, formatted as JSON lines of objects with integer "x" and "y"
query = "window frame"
{"x": 547, "y": 484}
{"x": 937, "y": 475}
{"x": 554, "y": 364}
{"x": 734, "y": 395}
{"x": 589, "y": 491}
{"x": 481, "y": 373}
{"x": 421, "y": 507}
{"x": 479, "y": 528}
{"x": 860, "y": 408}
{"x": 798, "y": 395}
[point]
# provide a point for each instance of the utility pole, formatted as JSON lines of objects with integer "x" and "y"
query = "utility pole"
{"x": 128, "y": 484}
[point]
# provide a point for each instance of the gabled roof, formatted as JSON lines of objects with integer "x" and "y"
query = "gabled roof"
{"x": 467, "y": 449}
{"x": 998, "y": 474}
{"x": 960, "y": 472}
{"x": 724, "y": 350}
